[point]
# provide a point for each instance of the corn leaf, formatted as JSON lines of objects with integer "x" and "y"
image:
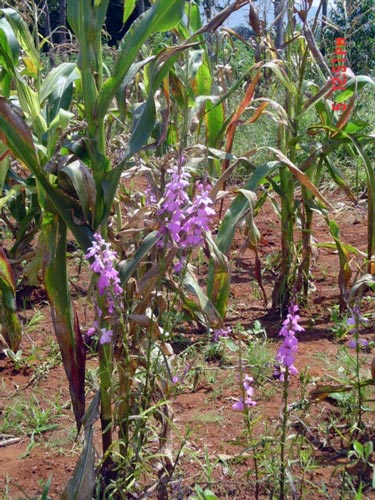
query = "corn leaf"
{"x": 24, "y": 37}
{"x": 128, "y": 267}
{"x": 237, "y": 209}
{"x": 58, "y": 88}
{"x": 218, "y": 282}
{"x": 345, "y": 272}
{"x": 65, "y": 323}
{"x": 17, "y": 136}
{"x": 82, "y": 483}
{"x": 208, "y": 309}
{"x": 301, "y": 177}
{"x": 8, "y": 41}
{"x": 162, "y": 16}
{"x": 129, "y": 6}
{"x": 10, "y": 325}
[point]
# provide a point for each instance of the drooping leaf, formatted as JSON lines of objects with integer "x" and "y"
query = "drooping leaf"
{"x": 249, "y": 94}
{"x": 82, "y": 483}
{"x": 370, "y": 200}
{"x": 65, "y": 322}
{"x": 128, "y": 267}
{"x": 364, "y": 281}
{"x": 84, "y": 186}
{"x": 17, "y": 136}
{"x": 9, "y": 324}
{"x": 8, "y": 41}
{"x": 345, "y": 271}
{"x": 58, "y": 88}
{"x": 209, "y": 311}
{"x": 218, "y": 281}
{"x": 23, "y": 35}
{"x": 300, "y": 176}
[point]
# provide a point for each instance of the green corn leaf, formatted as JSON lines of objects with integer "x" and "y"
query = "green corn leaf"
{"x": 24, "y": 38}
{"x": 146, "y": 112}
{"x": 206, "y": 306}
{"x": 129, "y": 6}
{"x": 12, "y": 193}
{"x": 65, "y": 323}
{"x": 214, "y": 120}
{"x": 84, "y": 186}
{"x": 218, "y": 281}
{"x": 10, "y": 325}
{"x": 18, "y": 138}
{"x": 238, "y": 207}
{"x": 193, "y": 14}
{"x": 128, "y": 267}
{"x": 4, "y": 166}
{"x": 337, "y": 177}
{"x": 144, "y": 120}
{"x": 370, "y": 199}
{"x": 7, "y": 283}
{"x": 162, "y": 16}
{"x": 345, "y": 271}
{"x": 9, "y": 42}
{"x": 58, "y": 88}
{"x": 280, "y": 73}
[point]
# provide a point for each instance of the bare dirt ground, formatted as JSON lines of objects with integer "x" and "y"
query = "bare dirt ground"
{"x": 217, "y": 454}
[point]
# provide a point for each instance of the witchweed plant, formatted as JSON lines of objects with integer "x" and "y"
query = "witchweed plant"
{"x": 285, "y": 368}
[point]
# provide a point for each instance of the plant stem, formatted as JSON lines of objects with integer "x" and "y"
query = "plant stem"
{"x": 283, "y": 435}
{"x": 105, "y": 374}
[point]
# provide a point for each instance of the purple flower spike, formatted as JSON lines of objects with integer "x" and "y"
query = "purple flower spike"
{"x": 285, "y": 356}
{"x": 108, "y": 281}
{"x": 183, "y": 220}
{"x": 248, "y": 393}
{"x": 354, "y": 322}
{"x": 360, "y": 342}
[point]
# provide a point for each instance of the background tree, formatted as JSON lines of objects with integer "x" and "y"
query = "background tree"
{"x": 354, "y": 20}
{"x": 279, "y": 22}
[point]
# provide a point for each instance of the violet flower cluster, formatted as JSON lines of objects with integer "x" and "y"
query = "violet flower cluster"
{"x": 286, "y": 353}
{"x": 185, "y": 220}
{"x": 220, "y": 333}
{"x": 247, "y": 399}
{"x": 108, "y": 282}
{"x": 354, "y": 322}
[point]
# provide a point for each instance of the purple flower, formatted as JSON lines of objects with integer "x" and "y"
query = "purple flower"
{"x": 183, "y": 220}
{"x": 222, "y": 332}
{"x": 285, "y": 356}
{"x": 354, "y": 322}
{"x": 247, "y": 399}
{"x": 181, "y": 378}
{"x": 360, "y": 342}
{"x": 108, "y": 281}
{"x": 106, "y": 336}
